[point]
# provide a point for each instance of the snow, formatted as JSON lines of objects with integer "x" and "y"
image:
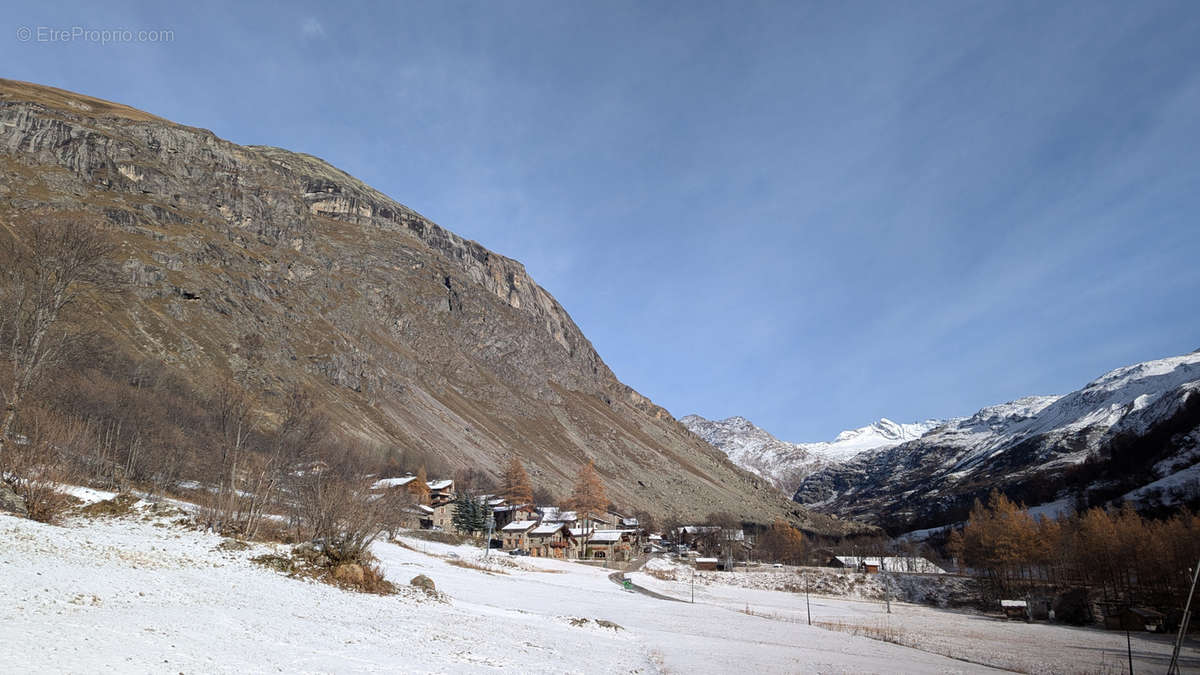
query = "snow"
{"x": 971, "y": 636}
{"x": 786, "y": 464}
{"x": 547, "y": 529}
{"x": 141, "y": 594}
{"x": 1186, "y": 482}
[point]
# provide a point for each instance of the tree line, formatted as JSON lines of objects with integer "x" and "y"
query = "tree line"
{"x": 1120, "y": 555}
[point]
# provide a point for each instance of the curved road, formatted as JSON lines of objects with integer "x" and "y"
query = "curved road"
{"x": 618, "y": 578}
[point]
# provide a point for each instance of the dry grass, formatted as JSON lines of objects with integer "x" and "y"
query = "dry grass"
{"x": 885, "y": 632}
{"x": 467, "y": 564}
{"x": 50, "y": 97}
{"x": 118, "y": 507}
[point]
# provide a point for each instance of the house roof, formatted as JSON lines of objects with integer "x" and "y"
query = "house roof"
{"x": 557, "y": 515}
{"x": 546, "y": 529}
{"x": 706, "y": 560}
{"x": 605, "y": 536}
{"x": 439, "y": 484}
{"x": 1012, "y": 603}
{"x": 518, "y": 526}
{"x": 392, "y": 482}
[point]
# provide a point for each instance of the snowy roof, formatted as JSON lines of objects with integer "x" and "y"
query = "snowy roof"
{"x": 629, "y": 522}
{"x": 655, "y": 537}
{"x": 605, "y": 536}
{"x": 439, "y": 484}
{"x": 1012, "y": 603}
{"x": 547, "y": 529}
{"x": 496, "y": 502}
{"x": 392, "y": 482}
{"x": 518, "y": 526}
{"x": 555, "y": 514}
{"x": 697, "y": 529}
{"x": 511, "y": 507}
{"x": 706, "y": 560}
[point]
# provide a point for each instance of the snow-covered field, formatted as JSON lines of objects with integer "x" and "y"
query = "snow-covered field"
{"x": 141, "y": 594}
{"x": 1010, "y": 645}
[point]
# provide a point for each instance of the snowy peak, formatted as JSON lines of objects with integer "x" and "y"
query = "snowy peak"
{"x": 1143, "y": 419}
{"x": 785, "y": 464}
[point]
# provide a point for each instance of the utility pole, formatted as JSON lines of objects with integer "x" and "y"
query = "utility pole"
{"x": 491, "y": 525}
{"x": 807, "y": 606}
{"x": 1173, "y": 669}
{"x": 693, "y": 585}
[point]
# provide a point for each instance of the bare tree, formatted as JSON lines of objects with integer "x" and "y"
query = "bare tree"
{"x": 45, "y": 268}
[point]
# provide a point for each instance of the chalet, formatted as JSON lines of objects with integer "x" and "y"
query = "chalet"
{"x": 440, "y": 492}
{"x": 614, "y": 545}
{"x": 516, "y": 534}
{"x": 549, "y": 540}
{"x": 507, "y": 513}
{"x": 442, "y": 517}
{"x": 416, "y": 517}
{"x": 1015, "y": 609}
{"x": 553, "y": 514}
{"x": 706, "y": 564}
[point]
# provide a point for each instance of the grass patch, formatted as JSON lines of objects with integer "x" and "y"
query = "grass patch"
{"x": 439, "y": 537}
{"x": 467, "y": 564}
{"x": 118, "y": 507}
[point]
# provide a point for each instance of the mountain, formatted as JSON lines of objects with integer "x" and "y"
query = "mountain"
{"x": 787, "y": 464}
{"x": 1133, "y": 432}
{"x": 408, "y": 335}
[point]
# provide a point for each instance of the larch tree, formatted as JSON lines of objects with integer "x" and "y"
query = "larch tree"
{"x": 782, "y": 543}
{"x": 589, "y": 497}
{"x": 516, "y": 489}
{"x": 420, "y": 487}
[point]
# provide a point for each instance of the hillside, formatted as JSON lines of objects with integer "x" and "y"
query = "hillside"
{"x": 1132, "y": 433}
{"x": 290, "y": 272}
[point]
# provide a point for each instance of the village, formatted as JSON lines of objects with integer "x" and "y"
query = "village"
{"x": 588, "y": 530}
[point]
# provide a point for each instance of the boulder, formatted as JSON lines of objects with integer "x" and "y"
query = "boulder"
{"x": 12, "y": 502}
{"x": 423, "y": 582}
{"x": 348, "y": 573}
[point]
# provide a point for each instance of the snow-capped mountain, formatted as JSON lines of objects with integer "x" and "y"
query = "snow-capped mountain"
{"x": 786, "y": 464}
{"x": 1131, "y": 427}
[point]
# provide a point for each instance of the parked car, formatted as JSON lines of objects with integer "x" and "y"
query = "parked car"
{"x": 518, "y": 551}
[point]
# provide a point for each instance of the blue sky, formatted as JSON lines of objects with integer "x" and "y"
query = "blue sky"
{"x": 809, "y": 214}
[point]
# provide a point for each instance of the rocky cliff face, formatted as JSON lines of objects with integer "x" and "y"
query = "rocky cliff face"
{"x": 411, "y": 335}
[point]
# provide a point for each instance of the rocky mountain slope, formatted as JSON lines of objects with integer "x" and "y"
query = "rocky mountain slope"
{"x": 787, "y": 464}
{"x": 1130, "y": 432}
{"x": 410, "y": 335}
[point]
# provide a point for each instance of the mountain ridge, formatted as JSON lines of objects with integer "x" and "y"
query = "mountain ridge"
{"x": 412, "y": 336}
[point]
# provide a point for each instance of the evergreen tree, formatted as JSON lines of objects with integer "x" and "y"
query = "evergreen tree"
{"x": 469, "y": 516}
{"x": 516, "y": 488}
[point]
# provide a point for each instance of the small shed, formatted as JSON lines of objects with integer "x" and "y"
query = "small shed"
{"x": 1015, "y": 609}
{"x": 709, "y": 564}
{"x": 1136, "y": 618}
